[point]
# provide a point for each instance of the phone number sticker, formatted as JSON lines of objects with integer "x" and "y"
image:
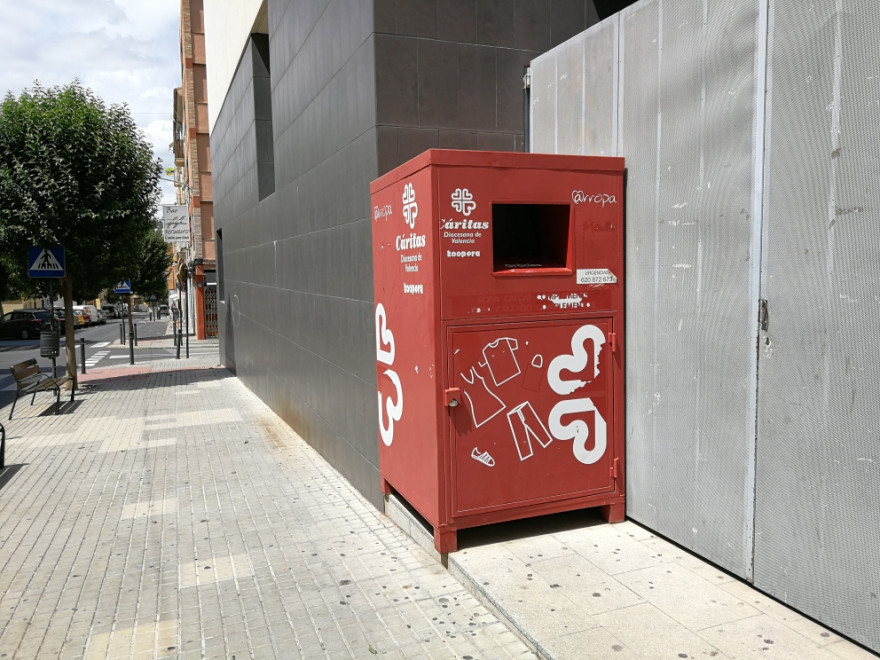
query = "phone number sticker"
{"x": 595, "y": 276}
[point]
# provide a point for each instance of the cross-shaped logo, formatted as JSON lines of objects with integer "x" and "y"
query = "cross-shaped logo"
{"x": 410, "y": 208}
{"x": 463, "y": 201}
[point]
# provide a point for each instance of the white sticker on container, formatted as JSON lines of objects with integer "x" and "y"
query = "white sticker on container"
{"x": 595, "y": 276}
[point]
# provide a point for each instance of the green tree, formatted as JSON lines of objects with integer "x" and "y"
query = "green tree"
{"x": 150, "y": 277}
{"x": 77, "y": 173}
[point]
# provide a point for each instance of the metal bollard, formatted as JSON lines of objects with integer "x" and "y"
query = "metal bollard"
{"x": 179, "y": 342}
{"x": 130, "y": 348}
{"x": 122, "y": 333}
{"x": 82, "y": 353}
{"x": 135, "y": 334}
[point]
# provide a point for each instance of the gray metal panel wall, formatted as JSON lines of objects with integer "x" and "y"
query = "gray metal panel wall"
{"x": 297, "y": 265}
{"x": 732, "y": 451}
{"x": 574, "y": 94}
{"x": 357, "y": 87}
{"x": 685, "y": 112}
{"x": 689, "y": 408}
{"x": 449, "y": 72}
{"x": 817, "y": 544}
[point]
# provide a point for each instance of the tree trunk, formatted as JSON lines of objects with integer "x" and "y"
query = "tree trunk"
{"x": 69, "y": 339}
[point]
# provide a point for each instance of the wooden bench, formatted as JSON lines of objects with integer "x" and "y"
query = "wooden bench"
{"x": 30, "y": 379}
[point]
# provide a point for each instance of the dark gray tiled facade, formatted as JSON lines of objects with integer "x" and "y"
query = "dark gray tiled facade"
{"x": 357, "y": 88}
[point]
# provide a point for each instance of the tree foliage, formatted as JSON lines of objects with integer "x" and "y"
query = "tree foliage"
{"x": 76, "y": 173}
{"x": 150, "y": 278}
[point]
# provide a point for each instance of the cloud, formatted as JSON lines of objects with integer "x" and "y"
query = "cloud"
{"x": 126, "y": 51}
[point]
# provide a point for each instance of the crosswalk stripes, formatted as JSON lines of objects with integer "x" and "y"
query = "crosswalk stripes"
{"x": 96, "y": 357}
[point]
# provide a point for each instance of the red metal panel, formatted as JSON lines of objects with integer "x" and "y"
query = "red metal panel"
{"x": 536, "y": 418}
{"x": 468, "y": 199}
{"x": 407, "y": 351}
{"x": 498, "y": 309}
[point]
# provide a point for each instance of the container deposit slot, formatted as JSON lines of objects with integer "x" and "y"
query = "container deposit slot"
{"x": 530, "y": 237}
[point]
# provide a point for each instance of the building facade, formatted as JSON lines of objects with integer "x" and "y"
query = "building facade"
{"x": 195, "y": 264}
{"x": 324, "y": 98}
{"x": 312, "y": 101}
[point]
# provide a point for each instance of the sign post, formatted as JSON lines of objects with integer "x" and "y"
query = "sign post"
{"x": 47, "y": 263}
{"x": 124, "y": 287}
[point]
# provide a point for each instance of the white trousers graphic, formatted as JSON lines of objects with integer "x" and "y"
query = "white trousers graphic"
{"x": 526, "y": 426}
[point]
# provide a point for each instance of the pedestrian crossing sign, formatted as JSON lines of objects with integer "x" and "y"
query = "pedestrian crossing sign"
{"x": 46, "y": 262}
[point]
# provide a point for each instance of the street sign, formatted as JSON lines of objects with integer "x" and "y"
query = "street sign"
{"x": 122, "y": 287}
{"x": 46, "y": 262}
{"x": 175, "y": 223}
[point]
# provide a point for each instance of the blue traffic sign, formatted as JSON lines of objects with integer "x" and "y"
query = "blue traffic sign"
{"x": 122, "y": 287}
{"x": 46, "y": 262}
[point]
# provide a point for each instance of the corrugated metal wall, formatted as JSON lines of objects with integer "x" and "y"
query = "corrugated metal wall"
{"x": 733, "y": 198}
{"x": 688, "y": 134}
{"x": 817, "y": 541}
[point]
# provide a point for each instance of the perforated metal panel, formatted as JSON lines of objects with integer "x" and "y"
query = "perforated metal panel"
{"x": 574, "y": 100}
{"x": 817, "y": 543}
{"x": 767, "y": 462}
{"x": 685, "y": 107}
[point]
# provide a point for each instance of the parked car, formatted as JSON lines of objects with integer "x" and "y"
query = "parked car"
{"x": 78, "y": 321}
{"x": 89, "y": 312}
{"x": 25, "y": 323}
{"x": 110, "y": 312}
{"x": 102, "y": 316}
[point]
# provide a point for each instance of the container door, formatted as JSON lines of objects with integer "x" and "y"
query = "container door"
{"x": 535, "y": 416}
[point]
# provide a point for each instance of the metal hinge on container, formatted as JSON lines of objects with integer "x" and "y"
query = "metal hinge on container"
{"x": 615, "y": 468}
{"x": 763, "y": 315}
{"x": 527, "y": 78}
{"x": 612, "y": 340}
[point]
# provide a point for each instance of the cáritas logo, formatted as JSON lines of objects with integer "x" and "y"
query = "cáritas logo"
{"x": 410, "y": 208}
{"x": 463, "y": 201}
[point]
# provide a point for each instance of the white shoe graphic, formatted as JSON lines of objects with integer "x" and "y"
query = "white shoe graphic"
{"x": 485, "y": 458}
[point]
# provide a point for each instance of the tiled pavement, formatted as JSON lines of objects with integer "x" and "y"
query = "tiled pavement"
{"x": 170, "y": 513}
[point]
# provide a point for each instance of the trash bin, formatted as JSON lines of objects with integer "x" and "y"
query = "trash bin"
{"x": 499, "y": 336}
{"x": 49, "y": 344}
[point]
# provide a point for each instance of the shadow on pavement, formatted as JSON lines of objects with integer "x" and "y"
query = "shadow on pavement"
{"x": 67, "y": 408}
{"x": 9, "y": 472}
{"x": 129, "y": 378}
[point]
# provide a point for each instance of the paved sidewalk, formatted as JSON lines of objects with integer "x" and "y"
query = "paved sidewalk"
{"x": 169, "y": 513}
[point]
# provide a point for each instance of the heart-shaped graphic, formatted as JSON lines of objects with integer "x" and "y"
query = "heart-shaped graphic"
{"x": 577, "y": 361}
{"x": 384, "y": 337}
{"x": 578, "y": 431}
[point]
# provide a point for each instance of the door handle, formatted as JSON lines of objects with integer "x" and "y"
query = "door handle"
{"x": 452, "y": 396}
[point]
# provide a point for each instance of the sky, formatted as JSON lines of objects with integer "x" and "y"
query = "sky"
{"x": 125, "y": 51}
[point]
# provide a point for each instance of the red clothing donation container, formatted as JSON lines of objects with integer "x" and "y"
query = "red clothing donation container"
{"x": 499, "y": 336}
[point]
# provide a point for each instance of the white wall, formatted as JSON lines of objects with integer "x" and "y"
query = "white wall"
{"x": 227, "y": 26}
